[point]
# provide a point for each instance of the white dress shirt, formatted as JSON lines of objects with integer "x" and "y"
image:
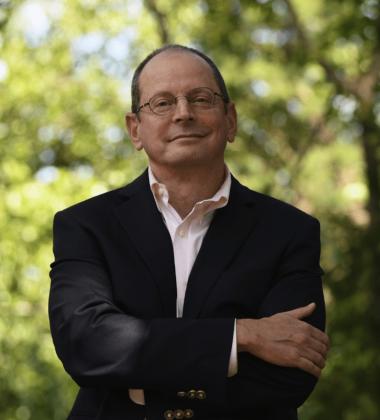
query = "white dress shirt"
{"x": 187, "y": 235}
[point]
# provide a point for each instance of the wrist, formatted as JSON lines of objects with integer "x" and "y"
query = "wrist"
{"x": 248, "y": 335}
{"x": 241, "y": 335}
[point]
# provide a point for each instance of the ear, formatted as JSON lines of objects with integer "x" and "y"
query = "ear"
{"x": 132, "y": 123}
{"x": 231, "y": 121}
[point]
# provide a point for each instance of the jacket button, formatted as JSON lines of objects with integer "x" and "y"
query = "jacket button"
{"x": 188, "y": 413}
{"x": 169, "y": 415}
{"x": 201, "y": 395}
{"x": 181, "y": 394}
{"x": 191, "y": 394}
{"x": 179, "y": 414}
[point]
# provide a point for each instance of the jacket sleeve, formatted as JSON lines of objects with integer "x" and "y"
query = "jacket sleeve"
{"x": 101, "y": 346}
{"x": 297, "y": 283}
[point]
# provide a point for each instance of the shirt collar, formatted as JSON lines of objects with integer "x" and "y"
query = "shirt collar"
{"x": 161, "y": 194}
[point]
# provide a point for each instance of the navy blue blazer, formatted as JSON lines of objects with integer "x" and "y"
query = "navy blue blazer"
{"x": 112, "y": 306}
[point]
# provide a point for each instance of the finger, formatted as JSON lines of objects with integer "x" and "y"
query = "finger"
{"x": 320, "y": 336}
{"x": 302, "y": 312}
{"x": 318, "y": 346}
{"x": 313, "y": 356}
{"x": 307, "y": 341}
{"x": 308, "y": 366}
{"x": 315, "y": 333}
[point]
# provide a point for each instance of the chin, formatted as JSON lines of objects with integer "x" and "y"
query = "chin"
{"x": 191, "y": 161}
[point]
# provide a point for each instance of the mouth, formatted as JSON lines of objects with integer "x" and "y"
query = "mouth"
{"x": 187, "y": 136}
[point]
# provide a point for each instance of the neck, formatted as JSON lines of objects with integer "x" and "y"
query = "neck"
{"x": 187, "y": 186}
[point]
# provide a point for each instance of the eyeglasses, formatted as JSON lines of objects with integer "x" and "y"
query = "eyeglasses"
{"x": 201, "y": 98}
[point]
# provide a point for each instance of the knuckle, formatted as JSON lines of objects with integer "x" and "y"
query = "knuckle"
{"x": 322, "y": 348}
{"x": 308, "y": 329}
{"x": 293, "y": 355}
{"x": 302, "y": 338}
{"x": 319, "y": 361}
{"x": 303, "y": 364}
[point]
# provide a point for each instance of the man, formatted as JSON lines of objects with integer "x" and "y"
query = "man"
{"x": 185, "y": 294}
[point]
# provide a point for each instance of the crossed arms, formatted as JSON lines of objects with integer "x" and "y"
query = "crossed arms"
{"x": 102, "y": 345}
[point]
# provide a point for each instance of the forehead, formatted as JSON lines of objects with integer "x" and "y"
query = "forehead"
{"x": 175, "y": 72}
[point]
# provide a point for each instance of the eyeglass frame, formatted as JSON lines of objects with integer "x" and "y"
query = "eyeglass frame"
{"x": 180, "y": 96}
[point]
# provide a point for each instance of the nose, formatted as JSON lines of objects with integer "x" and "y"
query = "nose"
{"x": 183, "y": 110}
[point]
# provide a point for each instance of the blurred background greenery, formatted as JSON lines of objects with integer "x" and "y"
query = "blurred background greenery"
{"x": 305, "y": 79}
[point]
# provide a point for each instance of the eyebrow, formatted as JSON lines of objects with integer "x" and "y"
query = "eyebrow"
{"x": 166, "y": 92}
{"x": 163, "y": 92}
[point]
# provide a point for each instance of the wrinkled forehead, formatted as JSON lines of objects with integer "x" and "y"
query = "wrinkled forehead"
{"x": 176, "y": 72}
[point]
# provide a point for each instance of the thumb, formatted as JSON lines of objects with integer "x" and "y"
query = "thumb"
{"x": 303, "y": 311}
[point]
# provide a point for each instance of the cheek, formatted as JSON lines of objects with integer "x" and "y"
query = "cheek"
{"x": 152, "y": 137}
{"x": 220, "y": 129}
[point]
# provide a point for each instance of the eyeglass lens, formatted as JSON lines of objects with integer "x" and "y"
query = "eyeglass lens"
{"x": 164, "y": 103}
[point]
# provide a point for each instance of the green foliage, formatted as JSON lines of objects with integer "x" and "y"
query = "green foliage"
{"x": 305, "y": 79}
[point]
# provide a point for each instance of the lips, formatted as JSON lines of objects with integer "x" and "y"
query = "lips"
{"x": 187, "y": 135}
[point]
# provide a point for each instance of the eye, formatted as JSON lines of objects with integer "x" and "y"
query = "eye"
{"x": 162, "y": 102}
{"x": 200, "y": 99}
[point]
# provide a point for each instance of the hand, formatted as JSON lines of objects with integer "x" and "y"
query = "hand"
{"x": 284, "y": 340}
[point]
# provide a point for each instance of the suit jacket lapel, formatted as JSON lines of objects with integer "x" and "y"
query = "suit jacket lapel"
{"x": 144, "y": 226}
{"x": 229, "y": 228}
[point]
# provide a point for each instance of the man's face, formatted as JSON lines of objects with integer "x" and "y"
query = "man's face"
{"x": 185, "y": 137}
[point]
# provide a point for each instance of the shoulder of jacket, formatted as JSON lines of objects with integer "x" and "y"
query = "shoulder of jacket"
{"x": 275, "y": 208}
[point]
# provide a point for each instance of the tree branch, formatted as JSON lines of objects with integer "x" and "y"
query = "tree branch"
{"x": 339, "y": 80}
{"x": 7, "y": 8}
{"x": 318, "y": 129}
{"x": 160, "y": 18}
{"x": 298, "y": 25}
{"x": 365, "y": 84}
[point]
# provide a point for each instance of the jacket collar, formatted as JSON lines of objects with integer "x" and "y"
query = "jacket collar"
{"x": 143, "y": 224}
